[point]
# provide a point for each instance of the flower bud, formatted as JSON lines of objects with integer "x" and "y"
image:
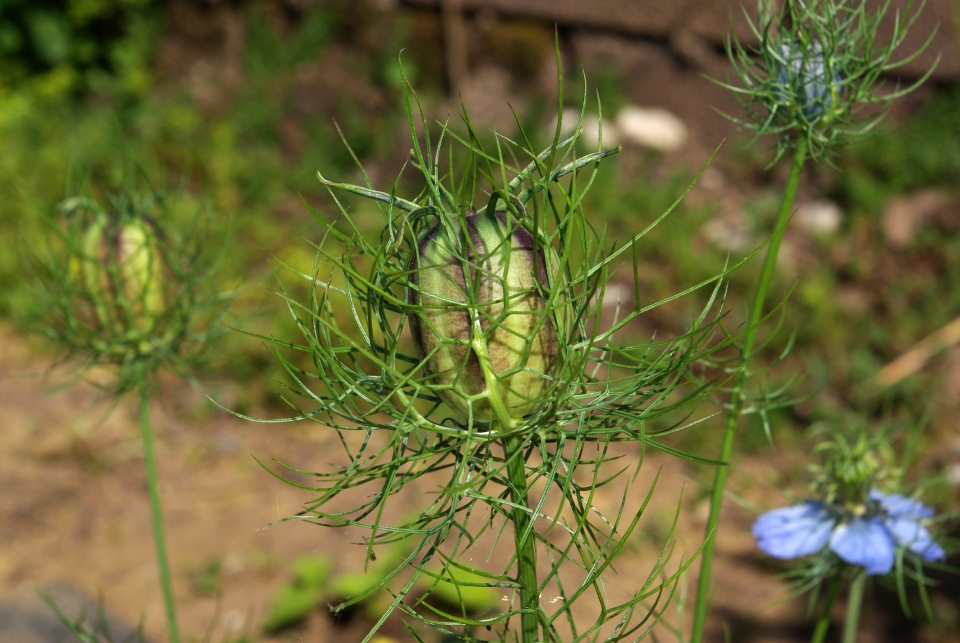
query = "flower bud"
{"x": 802, "y": 81}
{"x": 481, "y": 316}
{"x": 122, "y": 270}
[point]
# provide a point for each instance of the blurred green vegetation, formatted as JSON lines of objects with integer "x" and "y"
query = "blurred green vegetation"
{"x": 84, "y": 110}
{"x": 66, "y": 47}
{"x": 923, "y": 152}
{"x": 313, "y": 585}
{"x": 104, "y": 131}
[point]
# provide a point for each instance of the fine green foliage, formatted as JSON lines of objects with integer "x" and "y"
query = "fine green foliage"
{"x": 540, "y": 470}
{"x": 816, "y": 71}
{"x": 88, "y": 307}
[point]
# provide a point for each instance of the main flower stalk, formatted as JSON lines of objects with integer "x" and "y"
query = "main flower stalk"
{"x": 523, "y": 537}
{"x": 854, "y": 603}
{"x": 701, "y": 606}
{"x": 156, "y": 516}
{"x": 823, "y": 623}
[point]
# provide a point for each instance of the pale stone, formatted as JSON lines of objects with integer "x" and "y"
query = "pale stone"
{"x": 651, "y": 127}
{"x": 589, "y": 129}
{"x": 905, "y": 215}
{"x": 712, "y": 179}
{"x": 591, "y": 132}
{"x": 819, "y": 217}
{"x": 953, "y": 475}
{"x": 730, "y": 234}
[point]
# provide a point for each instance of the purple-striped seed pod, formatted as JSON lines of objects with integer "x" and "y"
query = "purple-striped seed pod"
{"x": 487, "y": 289}
{"x": 123, "y": 274}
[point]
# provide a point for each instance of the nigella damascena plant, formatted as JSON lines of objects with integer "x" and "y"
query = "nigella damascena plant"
{"x": 803, "y": 82}
{"x": 816, "y": 68}
{"x": 850, "y": 528}
{"x": 122, "y": 286}
{"x": 818, "y": 64}
{"x": 125, "y": 288}
{"x": 466, "y": 345}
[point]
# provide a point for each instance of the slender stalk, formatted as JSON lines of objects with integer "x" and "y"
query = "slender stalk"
{"x": 854, "y": 603}
{"x": 526, "y": 552}
{"x": 736, "y": 402}
{"x": 146, "y": 434}
{"x": 823, "y": 623}
{"x": 517, "y": 477}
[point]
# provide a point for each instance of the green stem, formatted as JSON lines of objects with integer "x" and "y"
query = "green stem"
{"x": 736, "y": 402}
{"x": 526, "y": 552}
{"x": 823, "y": 623}
{"x": 147, "y": 434}
{"x": 854, "y": 602}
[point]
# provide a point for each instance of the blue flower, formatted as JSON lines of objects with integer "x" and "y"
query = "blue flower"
{"x": 869, "y": 540}
{"x": 903, "y": 516}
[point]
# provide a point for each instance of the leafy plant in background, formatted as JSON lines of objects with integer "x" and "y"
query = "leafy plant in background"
{"x": 76, "y": 133}
{"x": 295, "y": 600}
{"x": 812, "y": 83}
{"x": 124, "y": 288}
{"x": 512, "y": 400}
{"x": 314, "y": 585}
{"x": 852, "y": 529}
{"x": 924, "y": 151}
{"x": 55, "y": 55}
{"x": 66, "y": 47}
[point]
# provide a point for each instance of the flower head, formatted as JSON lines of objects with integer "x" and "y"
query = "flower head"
{"x": 866, "y": 536}
{"x": 801, "y": 81}
{"x": 125, "y": 285}
{"x": 483, "y": 317}
{"x": 123, "y": 272}
{"x": 818, "y": 64}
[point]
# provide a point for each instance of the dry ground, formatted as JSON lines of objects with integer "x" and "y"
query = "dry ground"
{"x": 74, "y": 508}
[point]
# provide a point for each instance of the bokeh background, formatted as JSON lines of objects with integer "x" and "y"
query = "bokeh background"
{"x": 230, "y": 106}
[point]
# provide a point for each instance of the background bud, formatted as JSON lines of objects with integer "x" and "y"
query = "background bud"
{"x": 123, "y": 274}
{"x": 482, "y": 315}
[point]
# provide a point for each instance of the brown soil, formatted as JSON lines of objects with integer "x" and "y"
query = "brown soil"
{"x": 74, "y": 508}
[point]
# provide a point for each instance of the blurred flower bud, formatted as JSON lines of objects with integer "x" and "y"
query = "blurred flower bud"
{"x": 123, "y": 274}
{"x": 801, "y": 79}
{"x": 484, "y": 322}
{"x": 817, "y": 65}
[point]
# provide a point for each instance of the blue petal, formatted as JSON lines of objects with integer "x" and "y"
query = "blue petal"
{"x": 866, "y": 543}
{"x": 791, "y": 532}
{"x": 915, "y": 537}
{"x": 901, "y": 506}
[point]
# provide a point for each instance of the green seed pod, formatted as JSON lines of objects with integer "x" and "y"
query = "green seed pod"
{"x": 481, "y": 320}
{"x": 122, "y": 271}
